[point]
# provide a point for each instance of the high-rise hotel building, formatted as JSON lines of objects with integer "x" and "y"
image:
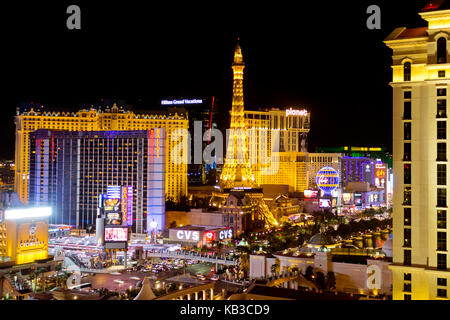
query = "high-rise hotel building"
{"x": 69, "y": 170}
{"x": 420, "y": 83}
{"x": 291, "y": 127}
{"x": 105, "y": 119}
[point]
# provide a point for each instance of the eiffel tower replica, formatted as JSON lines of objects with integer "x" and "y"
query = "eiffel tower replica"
{"x": 237, "y": 177}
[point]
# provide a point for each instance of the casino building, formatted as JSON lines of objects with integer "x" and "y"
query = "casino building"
{"x": 69, "y": 171}
{"x": 420, "y": 84}
{"x": 116, "y": 118}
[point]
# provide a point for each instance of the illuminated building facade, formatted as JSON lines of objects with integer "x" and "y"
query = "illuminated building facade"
{"x": 70, "y": 170}
{"x": 292, "y": 126}
{"x": 30, "y": 119}
{"x": 316, "y": 161}
{"x": 421, "y": 71}
{"x": 24, "y": 234}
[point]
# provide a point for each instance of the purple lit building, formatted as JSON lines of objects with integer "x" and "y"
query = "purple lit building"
{"x": 69, "y": 170}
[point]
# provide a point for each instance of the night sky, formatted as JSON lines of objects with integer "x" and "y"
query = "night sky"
{"x": 313, "y": 54}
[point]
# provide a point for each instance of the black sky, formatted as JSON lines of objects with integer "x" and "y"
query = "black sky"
{"x": 315, "y": 54}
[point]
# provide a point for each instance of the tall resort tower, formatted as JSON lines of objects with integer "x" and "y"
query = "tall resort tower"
{"x": 421, "y": 76}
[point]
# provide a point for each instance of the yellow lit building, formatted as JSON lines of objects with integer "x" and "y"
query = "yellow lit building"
{"x": 292, "y": 127}
{"x": 114, "y": 118}
{"x": 420, "y": 83}
{"x": 24, "y": 235}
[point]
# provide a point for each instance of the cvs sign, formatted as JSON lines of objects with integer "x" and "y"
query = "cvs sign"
{"x": 226, "y": 234}
{"x": 188, "y": 235}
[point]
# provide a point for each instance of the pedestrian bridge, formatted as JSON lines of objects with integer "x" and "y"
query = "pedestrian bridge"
{"x": 222, "y": 260}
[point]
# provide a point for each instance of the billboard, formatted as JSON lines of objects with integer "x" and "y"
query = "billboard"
{"x": 310, "y": 193}
{"x": 358, "y": 199}
{"x": 347, "y": 198}
{"x": 116, "y": 234}
{"x": 380, "y": 175}
{"x": 111, "y": 208}
{"x": 127, "y": 206}
{"x": 325, "y": 203}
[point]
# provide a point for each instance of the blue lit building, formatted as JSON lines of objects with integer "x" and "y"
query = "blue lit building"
{"x": 69, "y": 170}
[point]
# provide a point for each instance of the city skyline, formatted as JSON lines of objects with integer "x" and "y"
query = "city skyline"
{"x": 287, "y": 65}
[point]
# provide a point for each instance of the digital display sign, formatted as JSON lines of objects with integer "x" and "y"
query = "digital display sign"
{"x": 310, "y": 193}
{"x": 111, "y": 208}
{"x": 325, "y": 203}
{"x": 116, "y": 234}
{"x": 347, "y": 198}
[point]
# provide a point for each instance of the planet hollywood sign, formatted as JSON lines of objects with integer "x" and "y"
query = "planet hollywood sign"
{"x": 293, "y": 112}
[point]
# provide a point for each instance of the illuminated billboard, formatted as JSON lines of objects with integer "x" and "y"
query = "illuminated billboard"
{"x": 127, "y": 206}
{"x": 116, "y": 234}
{"x": 310, "y": 193}
{"x": 325, "y": 203}
{"x": 111, "y": 208}
{"x": 347, "y": 198}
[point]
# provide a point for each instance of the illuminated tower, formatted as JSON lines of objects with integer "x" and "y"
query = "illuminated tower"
{"x": 238, "y": 193}
{"x": 237, "y": 171}
{"x": 420, "y": 84}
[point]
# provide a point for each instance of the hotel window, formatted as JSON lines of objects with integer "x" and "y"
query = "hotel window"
{"x": 442, "y": 261}
{"x": 442, "y": 219}
{"x": 407, "y": 94}
{"x": 407, "y": 71}
{"x": 441, "y": 151}
{"x": 407, "y": 287}
{"x": 407, "y": 151}
{"x": 407, "y": 257}
{"x": 407, "y": 173}
{"x": 441, "y": 197}
{"x": 441, "y": 73}
{"x": 407, "y": 216}
{"x": 407, "y": 196}
{"x": 441, "y": 92}
{"x": 407, "y": 110}
{"x": 442, "y": 282}
{"x": 407, "y": 297}
{"x": 442, "y": 108}
{"x": 441, "y": 241}
{"x": 407, "y": 237}
{"x": 442, "y": 50}
{"x": 407, "y": 131}
{"x": 442, "y": 129}
{"x": 442, "y": 293}
{"x": 441, "y": 174}
{"x": 407, "y": 276}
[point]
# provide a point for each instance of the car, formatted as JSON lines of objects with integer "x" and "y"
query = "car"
{"x": 214, "y": 278}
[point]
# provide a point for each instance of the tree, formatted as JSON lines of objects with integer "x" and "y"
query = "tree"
{"x": 320, "y": 280}
{"x": 309, "y": 272}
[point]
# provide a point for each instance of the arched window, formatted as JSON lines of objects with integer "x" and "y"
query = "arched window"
{"x": 407, "y": 71}
{"x": 442, "y": 50}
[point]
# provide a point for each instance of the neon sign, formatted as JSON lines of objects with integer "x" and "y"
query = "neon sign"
{"x": 188, "y": 235}
{"x": 183, "y": 101}
{"x": 327, "y": 179}
{"x": 293, "y": 112}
